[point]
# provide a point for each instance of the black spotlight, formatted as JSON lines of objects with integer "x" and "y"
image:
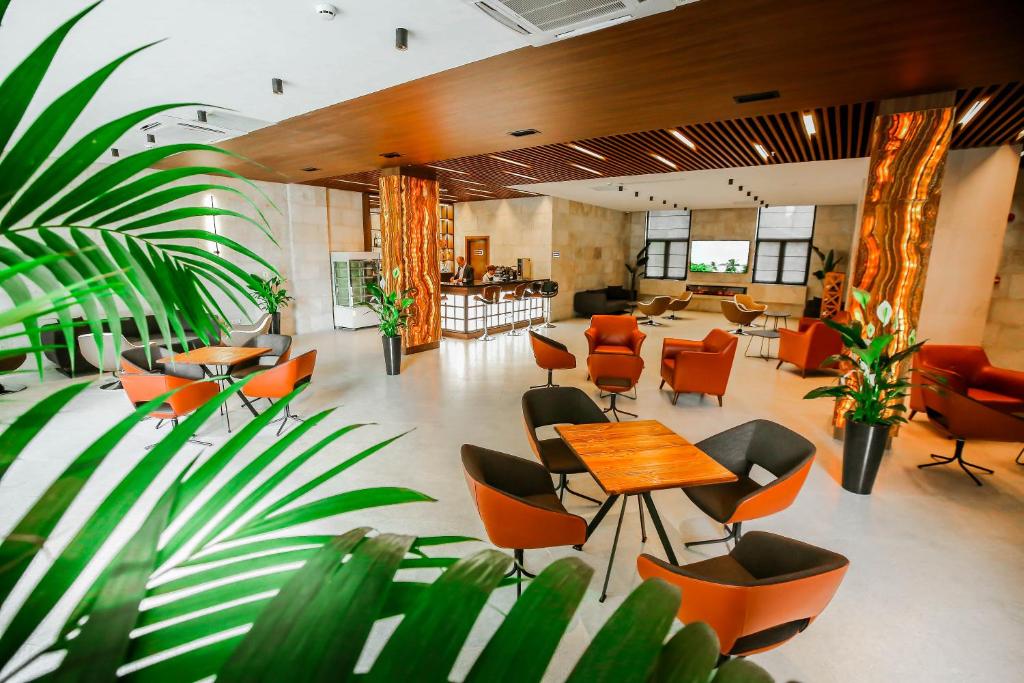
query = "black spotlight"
{"x": 402, "y": 39}
{"x": 115, "y": 152}
{"x": 636, "y": 194}
{"x": 730, "y": 181}
{"x": 150, "y": 139}
{"x": 652, "y": 198}
{"x": 621, "y": 188}
{"x": 277, "y": 86}
{"x": 201, "y": 116}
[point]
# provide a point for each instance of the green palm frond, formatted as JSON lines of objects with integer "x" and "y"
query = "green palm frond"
{"x": 117, "y": 227}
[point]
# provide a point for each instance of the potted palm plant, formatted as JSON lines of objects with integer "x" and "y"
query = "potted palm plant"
{"x": 392, "y": 307}
{"x": 875, "y": 385}
{"x": 271, "y": 297}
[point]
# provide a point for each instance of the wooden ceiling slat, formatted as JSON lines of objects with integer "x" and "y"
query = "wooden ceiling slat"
{"x": 843, "y": 131}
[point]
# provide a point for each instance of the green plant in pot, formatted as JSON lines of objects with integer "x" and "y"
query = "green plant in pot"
{"x": 829, "y": 264}
{"x": 392, "y": 308}
{"x": 271, "y": 296}
{"x": 875, "y": 385}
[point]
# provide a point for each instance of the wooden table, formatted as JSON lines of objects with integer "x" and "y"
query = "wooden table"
{"x": 633, "y": 459}
{"x": 219, "y": 355}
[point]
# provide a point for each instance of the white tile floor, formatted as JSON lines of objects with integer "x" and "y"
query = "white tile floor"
{"x": 934, "y": 590}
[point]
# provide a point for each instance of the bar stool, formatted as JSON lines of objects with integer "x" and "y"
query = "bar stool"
{"x": 516, "y": 295}
{"x": 547, "y": 290}
{"x": 490, "y": 296}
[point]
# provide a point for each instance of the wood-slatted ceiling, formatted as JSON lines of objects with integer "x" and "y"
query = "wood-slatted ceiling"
{"x": 843, "y": 132}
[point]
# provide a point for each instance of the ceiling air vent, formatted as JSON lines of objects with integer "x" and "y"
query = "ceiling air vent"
{"x": 544, "y": 21}
{"x": 756, "y": 96}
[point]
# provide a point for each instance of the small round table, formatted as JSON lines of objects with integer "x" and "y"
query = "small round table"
{"x": 775, "y": 317}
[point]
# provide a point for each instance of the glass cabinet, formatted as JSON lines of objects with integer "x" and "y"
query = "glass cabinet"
{"x": 351, "y": 272}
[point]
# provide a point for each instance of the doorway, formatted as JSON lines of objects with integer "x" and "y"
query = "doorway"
{"x": 478, "y": 254}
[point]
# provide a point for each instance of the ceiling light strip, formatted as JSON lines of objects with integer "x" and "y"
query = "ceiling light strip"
{"x": 972, "y": 111}
{"x": 683, "y": 139}
{"x": 658, "y": 157}
{"x": 446, "y": 170}
{"x": 508, "y": 161}
{"x": 808, "y": 120}
{"x": 521, "y": 175}
{"x": 585, "y": 168}
{"x": 584, "y": 150}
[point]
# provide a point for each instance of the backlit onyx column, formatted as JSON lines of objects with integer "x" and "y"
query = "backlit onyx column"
{"x": 408, "y": 227}
{"x": 908, "y": 156}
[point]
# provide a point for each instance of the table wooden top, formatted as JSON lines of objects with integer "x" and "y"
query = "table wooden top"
{"x": 217, "y": 355}
{"x": 639, "y": 456}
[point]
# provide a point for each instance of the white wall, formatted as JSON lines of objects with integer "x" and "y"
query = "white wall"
{"x": 976, "y": 192}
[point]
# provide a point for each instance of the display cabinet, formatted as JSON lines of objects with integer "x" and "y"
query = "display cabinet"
{"x": 351, "y": 272}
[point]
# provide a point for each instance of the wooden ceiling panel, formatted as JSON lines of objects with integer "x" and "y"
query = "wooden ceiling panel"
{"x": 681, "y": 67}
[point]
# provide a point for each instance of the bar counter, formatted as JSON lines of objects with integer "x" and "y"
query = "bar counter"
{"x": 462, "y": 316}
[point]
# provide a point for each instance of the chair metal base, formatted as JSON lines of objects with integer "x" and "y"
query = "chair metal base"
{"x": 733, "y": 535}
{"x": 614, "y": 410}
{"x": 288, "y": 415}
{"x": 958, "y": 458}
{"x": 549, "y": 384}
{"x": 563, "y": 488}
{"x": 652, "y": 322}
{"x": 519, "y": 571}
{"x": 191, "y": 439}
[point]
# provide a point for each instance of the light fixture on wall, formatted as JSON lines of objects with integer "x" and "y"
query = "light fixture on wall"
{"x": 213, "y": 224}
{"x": 402, "y": 39}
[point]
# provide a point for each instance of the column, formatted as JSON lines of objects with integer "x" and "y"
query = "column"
{"x": 409, "y": 227}
{"x": 908, "y": 157}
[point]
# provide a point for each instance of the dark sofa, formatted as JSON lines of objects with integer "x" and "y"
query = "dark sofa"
{"x": 52, "y": 334}
{"x": 607, "y": 301}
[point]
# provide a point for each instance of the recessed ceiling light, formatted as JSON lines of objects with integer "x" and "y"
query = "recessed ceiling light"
{"x": 523, "y": 132}
{"x": 310, "y": 169}
{"x": 588, "y": 170}
{"x": 972, "y": 111}
{"x": 663, "y": 160}
{"x": 683, "y": 139}
{"x": 508, "y": 161}
{"x": 528, "y": 177}
{"x": 761, "y": 151}
{"x": 446, "y": 170}
{"x": 580, "y": 148}
{"x": 390, "y": 155}
{"x": 808, "y": 119}
{"x": 1020, "y": 135}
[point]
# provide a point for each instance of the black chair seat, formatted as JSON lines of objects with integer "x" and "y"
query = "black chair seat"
{"x": 723, "y": 569}
{"x": 548, "y": 501}
{"x": 768, "y": 637}
{"x": 558, "y": 458}
{"x": 718, "y": 501}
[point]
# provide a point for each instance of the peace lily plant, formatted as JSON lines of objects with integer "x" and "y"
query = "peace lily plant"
{"x": 874, "y": 385}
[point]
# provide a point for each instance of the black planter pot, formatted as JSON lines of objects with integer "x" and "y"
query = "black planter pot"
{"x": 275, "y": 323}
{"x": 863, "y": 447}
{"x": 812, "y": 309}
{"x": 392, "y": 354}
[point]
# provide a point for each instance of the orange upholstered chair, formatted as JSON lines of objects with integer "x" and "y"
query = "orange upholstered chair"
{"x": 965, "y": 418}
{"x": 776, "y": 449}
{"x": 518, "y": 505}
{"x": 968, "y": 371}
{"x": 808, "y": 346}
{"x": 616, "y": 374}
{"x": 550, "y": 355}
{"x": 141, "y": 387}
{"x": 766, "y": 591}
{"x": 614, "y": 334}
{"x": 701, "y": 367}
{"x": 280, "y": 380}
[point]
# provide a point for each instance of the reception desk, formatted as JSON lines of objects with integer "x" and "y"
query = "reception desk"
{"x": 462, "y": 316}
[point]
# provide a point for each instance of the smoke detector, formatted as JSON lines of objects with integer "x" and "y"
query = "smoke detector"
{"x": 326, "y": 11}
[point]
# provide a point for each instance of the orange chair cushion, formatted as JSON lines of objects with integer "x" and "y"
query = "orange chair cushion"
{"x": 607, "y": 348}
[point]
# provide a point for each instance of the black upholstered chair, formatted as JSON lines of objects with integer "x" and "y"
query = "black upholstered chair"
{"x": 766, "y": 591}
{"x": 781, "y": 451}
{"x": 281, "y": 345}
{"x": 554, "y": 406}
{"x": 135, "y": 361}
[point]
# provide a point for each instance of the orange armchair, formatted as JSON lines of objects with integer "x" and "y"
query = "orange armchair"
{"x": 281, "y": 380}
{"x": 969, "y": 371}
{"x": 965, "y": 418}
{"x": 808, "y": 346}
{"x": 763, "y": 593}
{"x": 550, "y": 355}
{"x": 614, "y": 334}
{"x": 518, "y": 505}
{"x": 701, "y": 367}
{"x": 190, "y": 395}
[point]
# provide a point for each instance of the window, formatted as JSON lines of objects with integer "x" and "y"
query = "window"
{"x": 668, "y": 242}
{"x": 783, "y": 252}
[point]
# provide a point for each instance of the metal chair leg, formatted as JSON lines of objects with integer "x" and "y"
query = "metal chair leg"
{"x": 614, "y": 410}
{"x": 550, "y": 383}
{"x": 733, "y": 535}
{"x": 643, "y": 527}
{"x": 563, "y": 487}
